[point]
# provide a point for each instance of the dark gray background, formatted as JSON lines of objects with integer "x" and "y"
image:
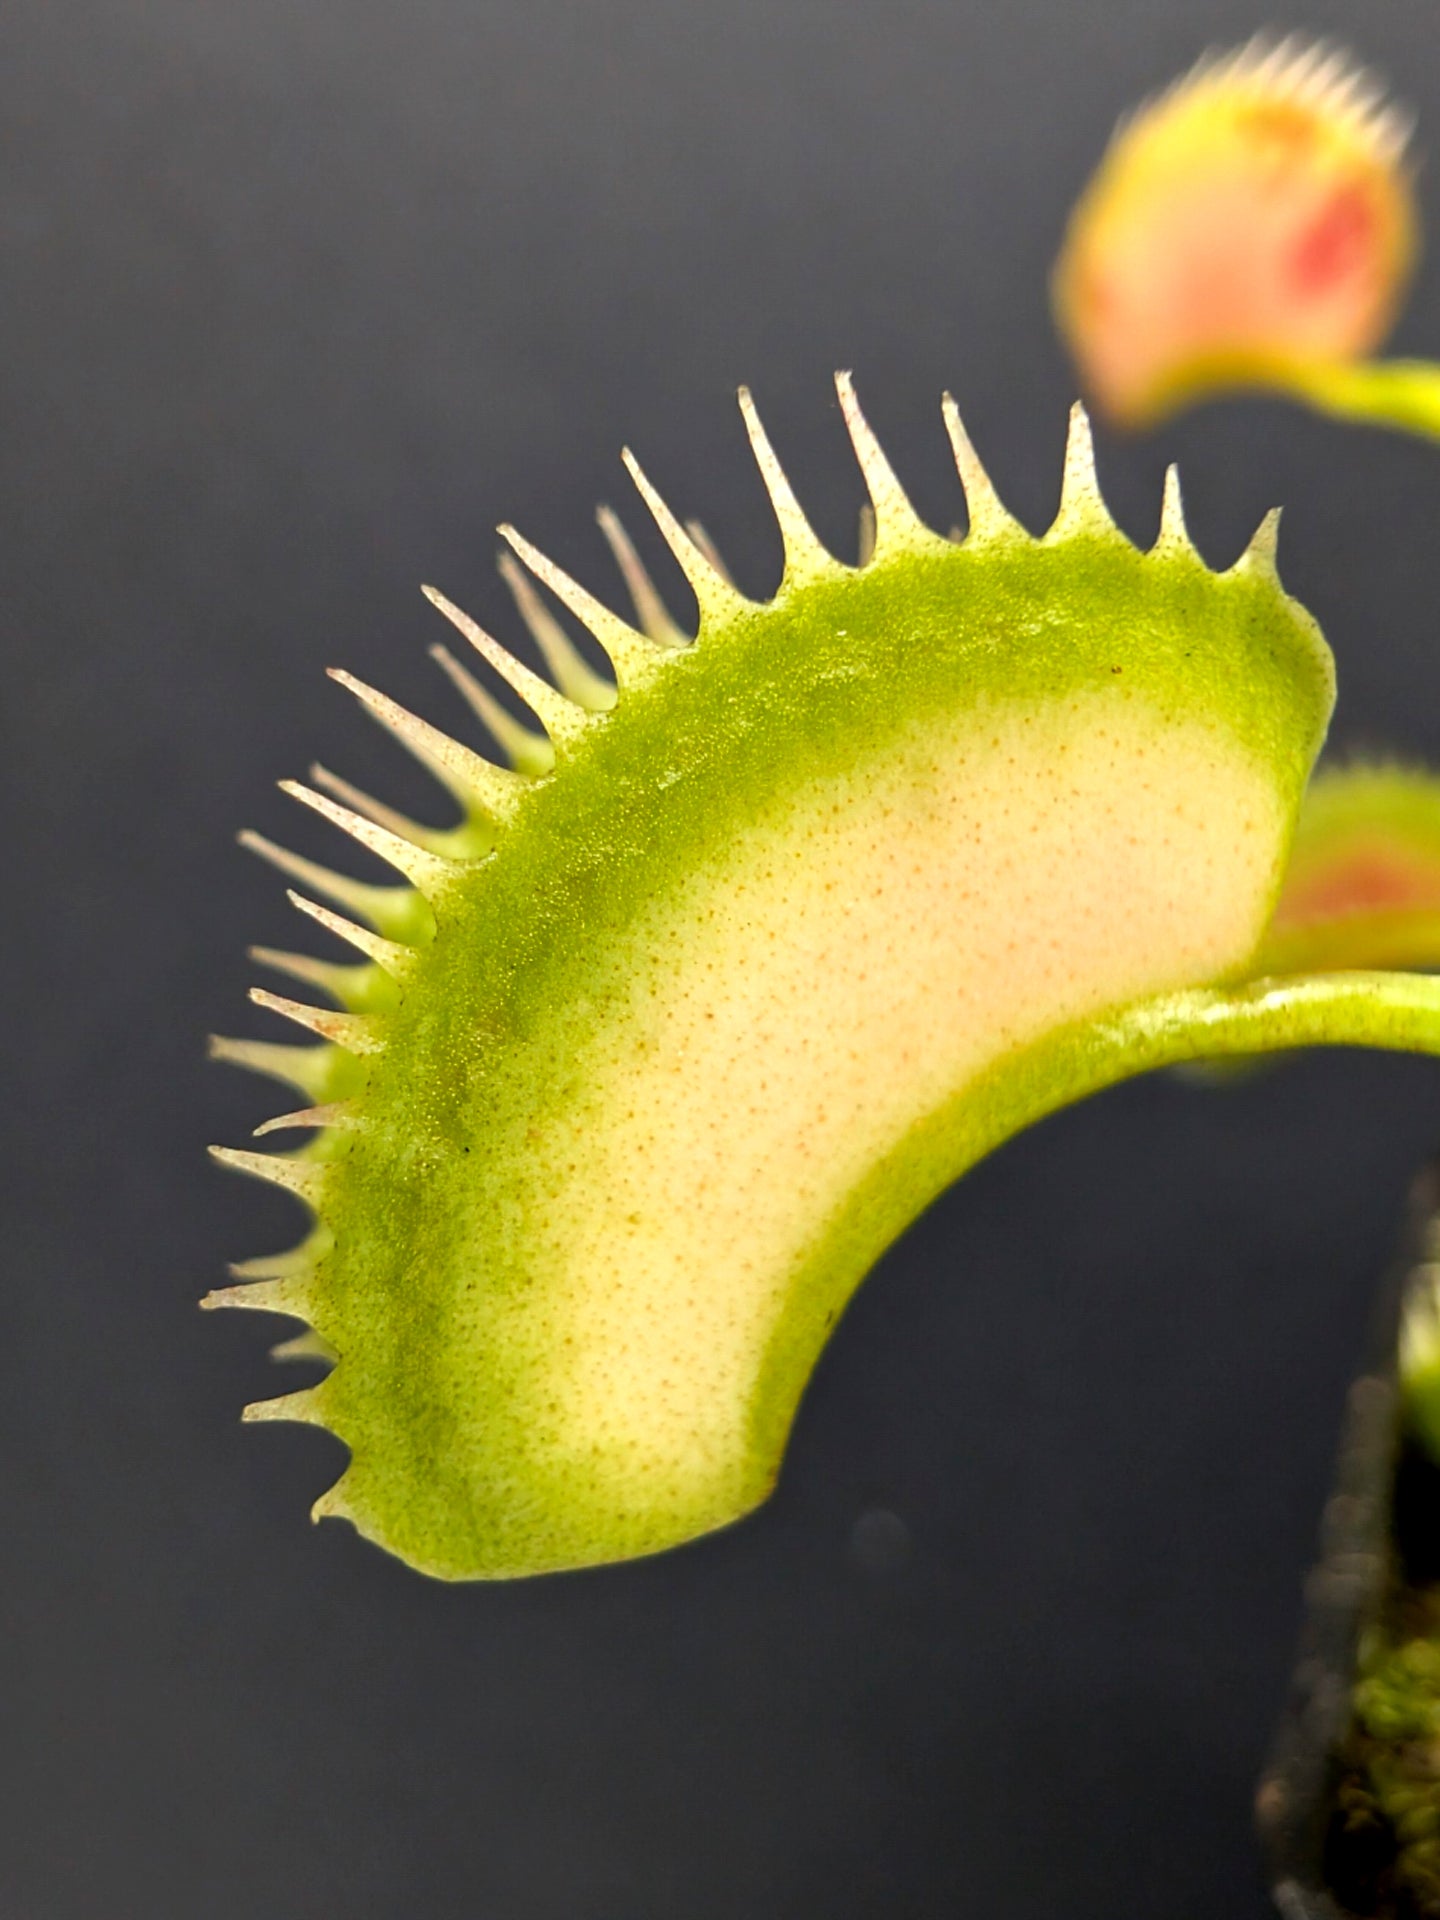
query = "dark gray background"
{"x": 298, "y": 300}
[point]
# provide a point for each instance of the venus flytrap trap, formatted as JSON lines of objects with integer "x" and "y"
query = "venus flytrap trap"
{"x": 654, "y": 1054}
{"x": 1252, "y": 227}
{"x": 1362, "y": 887}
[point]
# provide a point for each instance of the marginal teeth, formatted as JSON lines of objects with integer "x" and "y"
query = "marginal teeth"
{"x": 1272, "y": 61}
{"x": 1174, "y": 535}
{"x": 302, "y": 1406}
{"x": 707, "y": 546}
{"x": 426, "y": 872}
{"x": 306, "y": 1178}
{"x": 988, "y": 517}
{"x": 336, "y": 1113}
{"x": 264, "y": 1296}
{"x": 562, "y": 719}
{"x": 305, "y": 1068}
{"x": 381, "y": 906}
{"x": 1284, "y": 54}
{"x": 352, "y": 1031}
{"x": 896, "y": 522}
{"x": 387, "y": 954}
{"x": 359, "y": 801}
{"x": 1331, "y": 73}
{"x": 1316, "y": 74}
{"x": 1392, "y": 129}
{"x": 634, "y": 658}
{"x": 805, "y": 558}
{"x": 474, "y": 781}
{"x": 289, "y": 1265}
{"x": 305, "y": 1346}
{"x": 1260, "y": 556}
{"x": 715, "y": 593}
{"x": 337, "y": 981}
{"x": 334, "y": 1503}
{"x": 650, "y": 609}
{"x": 529, "y": 753}
{"x": 567, "y": 664}
{"x": 1082, "y": 507}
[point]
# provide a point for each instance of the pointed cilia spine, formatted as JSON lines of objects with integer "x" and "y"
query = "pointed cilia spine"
{"x": 1260, "y": 556}
{"x": 633, "y": 657}
{"x": 389, "y": 955}
{"x": 527, "y": 751}
{"x": 806, "y": 560}
{"x": 714, "y": 591}
{"x": 381, "y": 906}
{"x": 563, "y": 719}
{"x": 342, "y": 1114}
{"x": 301, "y": 1177}
{"x": 989, "y": 519}
{"x": 893, "y": 524}
{"x": 1313, "y": 74}
{"x": 595, "y": 1122}
{"x": 358, "y": 801}
{"x": 655, "y": 618}
{"x": 708, "y": 550}
{"x": 304, "y": 1068}
{"x": 1082, "y": 506}
{"x": 1173, "y": 537}
{"x": 568, "y": 666}
{"x": 472, "y": 779}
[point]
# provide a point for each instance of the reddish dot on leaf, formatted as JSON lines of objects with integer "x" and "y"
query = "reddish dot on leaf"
{"x": 1339, "y": 242}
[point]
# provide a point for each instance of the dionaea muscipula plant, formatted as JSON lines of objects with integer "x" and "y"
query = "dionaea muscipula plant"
{"x": 1253, "y": 226}
{"x": 741, "y": 960}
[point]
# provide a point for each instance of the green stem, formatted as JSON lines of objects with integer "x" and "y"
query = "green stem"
{"x": 1399, "y": 1012}
{"x": 1404, "y": 394}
